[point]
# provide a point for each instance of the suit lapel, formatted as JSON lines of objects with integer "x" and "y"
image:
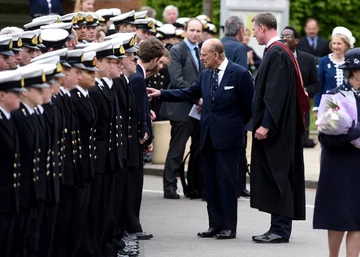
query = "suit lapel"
{"x": 27, "y": 118}
{"x": 224, "y": 81}
{"x": 83, "y": 101}
{"x": 3, "y": 123}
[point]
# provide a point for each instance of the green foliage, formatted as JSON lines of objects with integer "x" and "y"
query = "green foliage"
{"x": 329, "y": 13}
{"x": 187, "y": 8}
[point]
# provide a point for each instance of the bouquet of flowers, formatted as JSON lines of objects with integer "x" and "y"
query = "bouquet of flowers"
{"x": 336, "y": 115}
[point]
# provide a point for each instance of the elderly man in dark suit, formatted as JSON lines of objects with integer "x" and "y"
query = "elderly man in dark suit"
{"x": 227, "y": 90}
{"x": 184, "y": 68}
{"x": 312, "y": 43}
{"x": 309, "y": 73}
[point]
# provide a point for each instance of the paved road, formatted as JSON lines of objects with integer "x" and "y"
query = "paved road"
{"x": 175, "y": 224}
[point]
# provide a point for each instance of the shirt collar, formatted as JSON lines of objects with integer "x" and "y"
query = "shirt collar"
{"x": 108, "y": 81}
{"x": 83, "y": 91}
{"x": 143, "y": 70}
{"x": 6, "y": 113}
{"x": 65, "y": 91}
{"x": 101, "y": 84}
{"x": 276, "y": 38}
{"x": 40, "y": 108}
{"x": 30, "y": 110}
{"x": 190, "y": 45}
{"x": 126, "y": 78}
{"x": 312, "y": 39}
{"x": 223, "y": 65}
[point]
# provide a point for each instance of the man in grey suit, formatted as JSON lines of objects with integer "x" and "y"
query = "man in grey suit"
{"x": 184, "y": 69}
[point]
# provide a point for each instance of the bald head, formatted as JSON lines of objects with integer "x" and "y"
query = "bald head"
{"x": 212, "y": 53}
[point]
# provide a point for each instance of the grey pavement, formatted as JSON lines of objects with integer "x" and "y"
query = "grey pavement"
{"x": 175, "y": 224}
{"x": 311, "y": 161}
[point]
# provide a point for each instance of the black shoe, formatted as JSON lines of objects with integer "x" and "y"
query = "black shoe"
{"x": 171, "y": 195}
{"x": 309, "y": 144}
{"x": 142, "y": 235}
{"x": 226, "y": 234}
{"x": 244, "y": 193}
{"x": 211, "y": 232}
{"x": 271, "y": 238}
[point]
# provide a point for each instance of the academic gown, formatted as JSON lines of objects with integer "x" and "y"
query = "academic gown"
{"x": 277, "y": 167}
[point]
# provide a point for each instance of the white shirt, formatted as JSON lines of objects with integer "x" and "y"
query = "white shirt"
{"x": 30, "y": 110}
{"x": 108, "y": 81}
{"x": 277, "y": 38}
{"x": 143, "y": 70}
{"x": 222, "y": 69}
{"x": 6, "y": 113}
{"x": 65, "y": 91}
{"x": 83, "y": 92}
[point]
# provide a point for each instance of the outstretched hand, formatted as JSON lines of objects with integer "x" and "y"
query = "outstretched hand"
{"x": 152, "y": 92}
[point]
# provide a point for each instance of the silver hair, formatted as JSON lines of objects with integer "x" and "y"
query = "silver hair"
{"x": 170, "y": 7}
{"x": 11, "y": 30}
{"x": 232, "y": 25}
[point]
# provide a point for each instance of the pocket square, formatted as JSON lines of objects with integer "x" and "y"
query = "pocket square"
{"x": 228, "y": 88}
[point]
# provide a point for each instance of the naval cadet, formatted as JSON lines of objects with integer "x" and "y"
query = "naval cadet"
{"x": 11, "y": 83}
{"x": 6, "y": 46}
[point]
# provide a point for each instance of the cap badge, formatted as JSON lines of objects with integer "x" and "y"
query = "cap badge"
{"x": 74, "y": 20}
{"x": 79, "y": 17}
{"x": 58, "y": 67}
{"x": 22, "y": 82}
{"x": 122, "y": 50}
{"x": 10, "y": 44}
{"x": 132, "y": 42}
{"x": 34, "y": 40}
{"x": 19, "y": 42}
{"x": 150, "y": 24}
{"x": 58, "y": 20}
{"x": 89, "y": 18}
{"x": 356, "y": 60}
{"x": 43, "y": 77}
{"x": 94, "y": 62}
{"x": 82, "y": 58}
{"x": 40, "y": 39}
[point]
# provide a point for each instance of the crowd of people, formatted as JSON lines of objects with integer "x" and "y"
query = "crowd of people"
{"x": 78, "y": 97}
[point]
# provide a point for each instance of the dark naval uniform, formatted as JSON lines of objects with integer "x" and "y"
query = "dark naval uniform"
{"x": 9, "y": 183}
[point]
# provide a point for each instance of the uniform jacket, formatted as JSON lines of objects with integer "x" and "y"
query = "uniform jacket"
{"x": 31, "y": 187}
{"x": 9, "y": 166}
{"x": 87, "y": 118}
{"x": 224, "y": 118}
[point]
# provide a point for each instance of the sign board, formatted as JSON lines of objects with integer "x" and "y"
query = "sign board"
{"x": 247, "y": 9}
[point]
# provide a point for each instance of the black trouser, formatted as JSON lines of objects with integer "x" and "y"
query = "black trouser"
{"x": 307, "y": 131}
{"x": 7, "y": 225}
{"x": 180, "y": 133}
{"x": 281, "y": 225}
{"x": 70, "y": 220}
{"x": 220, "y": 184}
{"x": 21, "y": 230}
{"x": 134, "y": 187}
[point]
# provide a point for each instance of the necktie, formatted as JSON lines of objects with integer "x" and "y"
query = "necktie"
{"x": 197, "y": 52}
{"x": 265, "y": 50}
{"x": 313, "y": 44}
{"x": 215, "y": 83}
{"x": 91, "y": 105}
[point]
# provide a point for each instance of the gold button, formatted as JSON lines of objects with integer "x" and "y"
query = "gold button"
{"x": 54, "y": 174}
{"x": 34, "y": 171}
{"x": 15, "y": 175}
{"x": 34, "y": 179}
{"x": 18, "y": 184}
{"x": 15, "y": 165}
{"x": 37, "y": 178}
{"x": 14, "y": 185}
{"x": 39, "y": 150}
{"x": 47, "y": 173}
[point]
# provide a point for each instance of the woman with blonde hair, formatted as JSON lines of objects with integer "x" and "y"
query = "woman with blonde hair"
{"x": 84, "y": 5}
{"x": 330, "y": 76}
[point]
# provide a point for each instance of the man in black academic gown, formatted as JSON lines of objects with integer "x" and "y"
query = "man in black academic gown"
{"x": 279, "y": 105}
{"x": 307, "y": 64}
{"x": 10, "y": 84}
